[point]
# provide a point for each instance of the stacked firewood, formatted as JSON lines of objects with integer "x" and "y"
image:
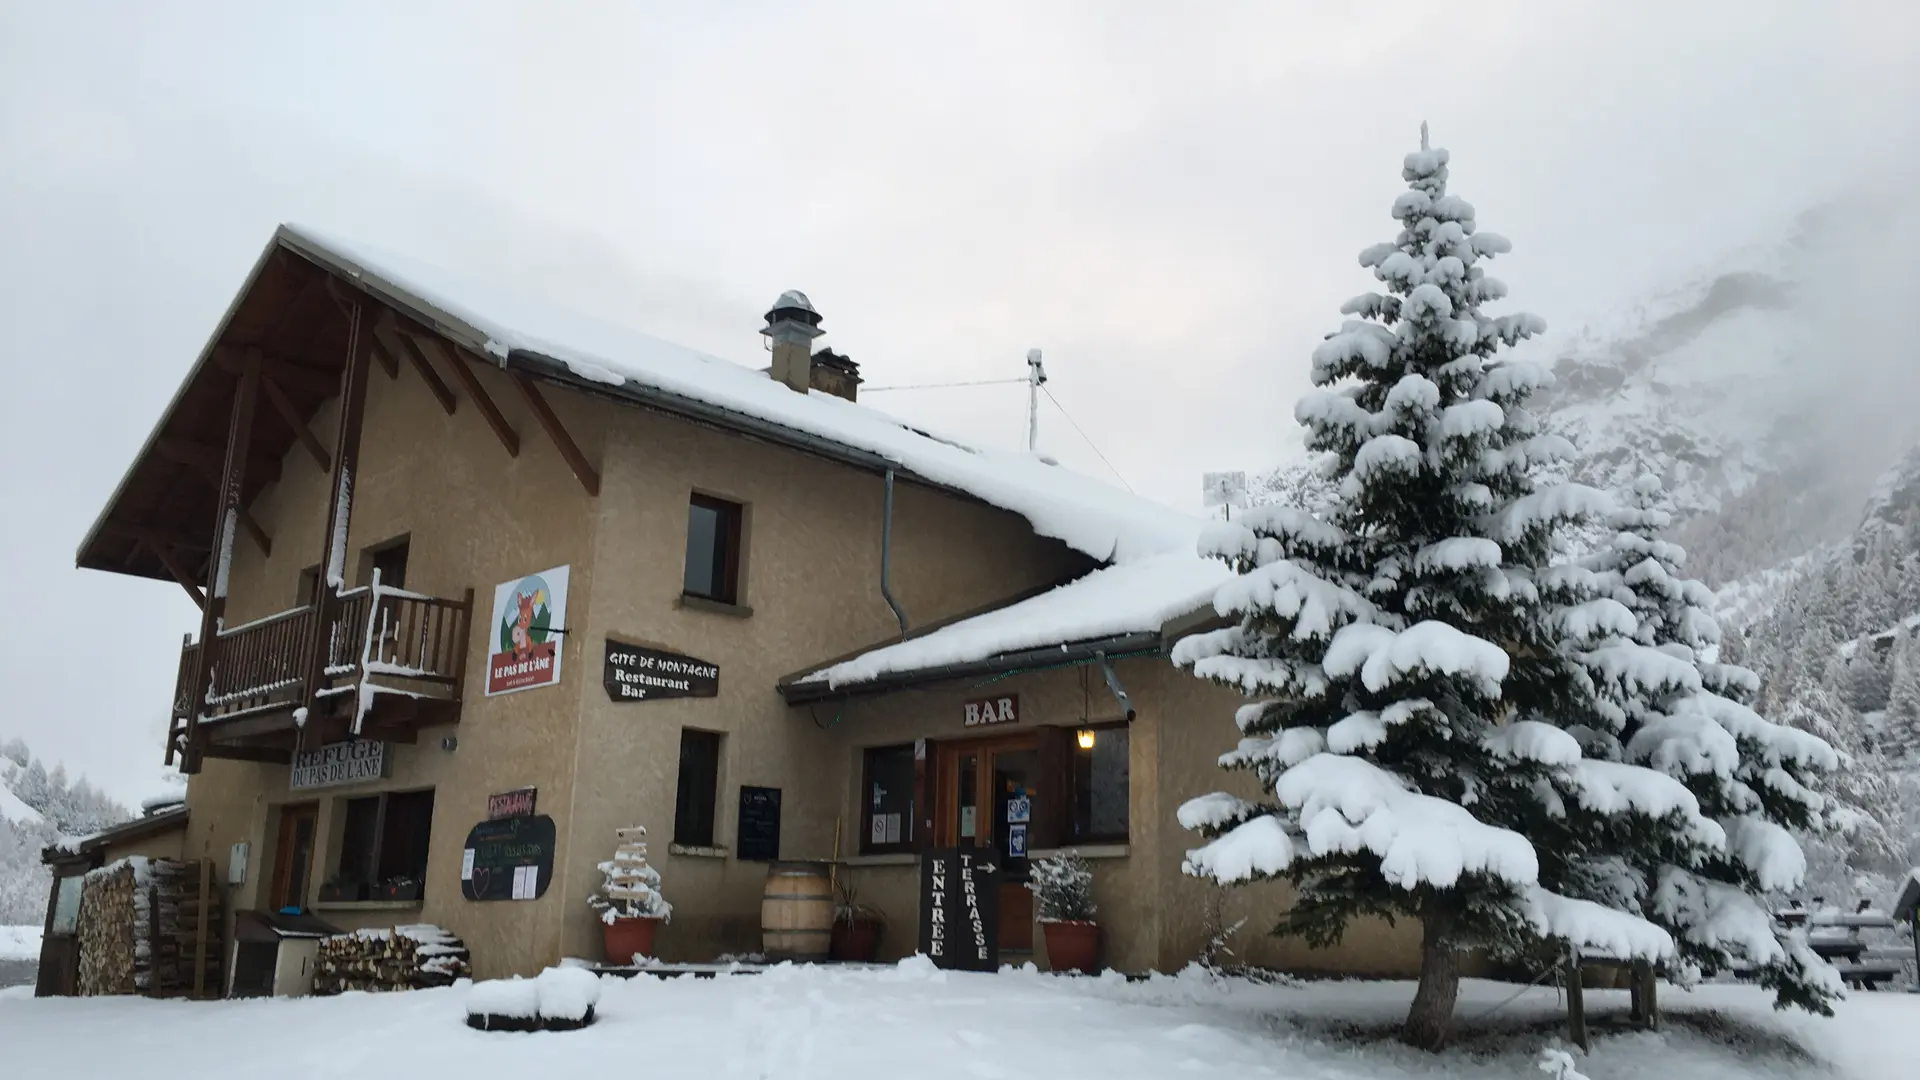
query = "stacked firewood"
{"x": 403, "y": 958}
{"x": 109, "y": 915}
{"x": 139, "y": 926}
{"x": 173, "y": 923}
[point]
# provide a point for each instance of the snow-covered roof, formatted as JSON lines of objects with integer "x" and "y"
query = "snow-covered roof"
{"x": 1088, "y": 515}
{"x": 1128, "y": 598}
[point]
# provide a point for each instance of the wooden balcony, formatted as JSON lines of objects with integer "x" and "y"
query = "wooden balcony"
{"x": 394, "y": 662}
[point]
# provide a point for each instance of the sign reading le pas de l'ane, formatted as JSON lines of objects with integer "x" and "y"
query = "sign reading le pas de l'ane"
{"x": 637, "y": 673}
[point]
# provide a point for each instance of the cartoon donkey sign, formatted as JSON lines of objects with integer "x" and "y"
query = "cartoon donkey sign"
{"x": 529, "y": 621}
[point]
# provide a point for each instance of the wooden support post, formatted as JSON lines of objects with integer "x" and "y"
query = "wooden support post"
{"x": 284, "y": 406}
{"x": 1644, "y": 995}
{"x": 1576, "y": 1002}
{"x": 569, "y": 450}
{"x": 471, "y": 384}
{"x": 175, "y": 567}
{"x": 229, "y": 513}
{"x": 200, "y": 929}
{"x": 343, "y": 477}
{"x": 387, "y": 360}
{"x": 442, "y": 393}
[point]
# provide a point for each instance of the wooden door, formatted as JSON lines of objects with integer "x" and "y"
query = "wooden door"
{"x": 293, "y": 857}
{"x": 987, "y": 789}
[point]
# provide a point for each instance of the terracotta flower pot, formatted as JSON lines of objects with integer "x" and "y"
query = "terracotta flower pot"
{"x": 855, "y": 941}
{"x": 627, "y": 938}
{"x": 1072, "y": 946}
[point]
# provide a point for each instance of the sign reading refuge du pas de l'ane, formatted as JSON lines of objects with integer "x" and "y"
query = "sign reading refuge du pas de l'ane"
{"x": 637, "y": 673}
{"x": 339, "y": 763}
{"x": 960, "y": 908}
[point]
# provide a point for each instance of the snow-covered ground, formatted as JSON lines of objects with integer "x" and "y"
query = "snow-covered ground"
{"x": 913, "y": 1021}
{"x": 19, "y": 943}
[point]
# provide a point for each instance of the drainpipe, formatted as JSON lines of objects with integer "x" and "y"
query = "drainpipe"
{"x": 1113, "y": 685}
{"x": 886, "y": 557}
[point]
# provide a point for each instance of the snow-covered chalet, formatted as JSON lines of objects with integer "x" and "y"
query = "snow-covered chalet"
{"x": 482, "y": 581}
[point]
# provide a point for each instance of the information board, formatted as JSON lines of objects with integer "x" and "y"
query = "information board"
{"x": 508, "y": 859}
{"x": 757, "y": 829}
{"x": 960, "y": 908}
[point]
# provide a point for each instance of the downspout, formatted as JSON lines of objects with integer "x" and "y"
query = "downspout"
{"x": 886, "y": 557}
{"x": 1113, "y": 685}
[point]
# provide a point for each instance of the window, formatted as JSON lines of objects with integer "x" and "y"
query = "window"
{"x": 390, "y": 559}
{"x": 66, "y": 905}
{"x": 1101, "y": 779}
{"x": 309, "y": 587}
{"x": 383, "y": 845}
{"x": 695, "y": 800}
{"x": 886, "y": 801}
{"x": 713, "y": 550}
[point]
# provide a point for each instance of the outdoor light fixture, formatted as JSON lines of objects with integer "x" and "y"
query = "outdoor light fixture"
{"x": 1085, "y": 738}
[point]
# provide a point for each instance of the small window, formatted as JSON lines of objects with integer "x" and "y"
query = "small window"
{"x": 390, "y": 559}
{"x": 886, "y": 800}
{"x": 309, "y": 587}
{"x": 1101, "y": 782}
{"x": 713, "y": 550}
{"x": 698, "y": 793}
{"x": 383, "y": 844}
{"x": 66, "y": 905}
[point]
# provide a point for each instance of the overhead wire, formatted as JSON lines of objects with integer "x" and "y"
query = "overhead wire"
{"x": 1087, "y": 439}
{"x": 941, "y": 386}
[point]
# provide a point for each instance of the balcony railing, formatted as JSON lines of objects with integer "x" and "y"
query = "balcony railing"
{"x": 378, "y": 640}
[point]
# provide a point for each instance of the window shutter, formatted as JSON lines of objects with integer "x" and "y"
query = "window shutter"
{"x": 1053, "y": 802}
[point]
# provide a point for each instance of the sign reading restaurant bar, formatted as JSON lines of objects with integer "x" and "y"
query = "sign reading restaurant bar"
{"x": 637, "y": 673}
{"x": 529, "y": 617}
{"x": 339, "y": 763}
{"x": 960, "y": 908}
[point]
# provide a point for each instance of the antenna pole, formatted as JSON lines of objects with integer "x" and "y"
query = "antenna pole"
{"x": 1036, "y": 378}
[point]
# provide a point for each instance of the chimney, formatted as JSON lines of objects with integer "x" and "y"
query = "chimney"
{"x": 835, "y": 374}
{"x": 791, "y": 327}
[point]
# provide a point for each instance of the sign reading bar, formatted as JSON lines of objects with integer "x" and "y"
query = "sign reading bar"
{"x": 515, "y": 803}
{"x": 637, "y": 673}
{"x": 509, "y": 859}
{"x": 995, "y": 710}
{"x": 339, "y": 763}
{"x": 529, "y": 617}
{"x": 757, "y": 831}
{"x": 960, "y": 908}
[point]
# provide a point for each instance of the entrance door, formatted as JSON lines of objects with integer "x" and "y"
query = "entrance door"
{"x": 293, "y": 857}
{"x": 985, "y": 799}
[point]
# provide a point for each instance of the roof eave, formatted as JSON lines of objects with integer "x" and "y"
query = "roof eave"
{"x": 801, "y": 691}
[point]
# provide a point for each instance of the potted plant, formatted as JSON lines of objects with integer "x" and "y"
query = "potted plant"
{"x": 1063, "y": 891}
{"x": 338, "y": 890}
{"x": 856, "y": 927}
{"x": 399, "y": 889}
{"x": 630, "y": 904}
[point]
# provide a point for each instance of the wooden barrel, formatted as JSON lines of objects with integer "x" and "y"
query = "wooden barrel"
{"x": 796, "y": 915}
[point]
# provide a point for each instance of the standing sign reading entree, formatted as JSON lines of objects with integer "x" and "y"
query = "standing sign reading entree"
{"x": 529, "y": 617}
{"x": 637, "y": 673}
{"x": 960, "y": 908}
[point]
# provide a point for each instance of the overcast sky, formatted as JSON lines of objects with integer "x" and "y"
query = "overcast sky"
{"x": 1166, "y": 198}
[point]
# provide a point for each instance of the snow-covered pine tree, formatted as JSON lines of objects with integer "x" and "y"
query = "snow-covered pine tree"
{"x": 1667, "y": 703}
{"x": 1410, "y": 638}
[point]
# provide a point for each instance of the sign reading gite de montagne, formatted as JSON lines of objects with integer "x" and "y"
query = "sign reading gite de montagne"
{"x": 524, "y": 641}
{"x": 637, "y": 673}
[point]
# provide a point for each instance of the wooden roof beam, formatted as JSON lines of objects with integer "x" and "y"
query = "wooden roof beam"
{"x": 201, "y": 456}
{"x": 569, "y": 450}
{"x": 291, "y": 374}
{"x": 284, "y": 406}
{"x": 247, "y": 522}
{"x": 393, "y": 341}
{"x": 456, "y": 361}
{"x": 174, "y": 566}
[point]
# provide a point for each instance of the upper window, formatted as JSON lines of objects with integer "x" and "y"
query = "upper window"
{"x": 699, "y": 791}
{"x": 383, "y": 845}
{"x": 886, "y": 801}
{"x": 391, "y": 561}
{"x": 1101, "y": 782}
{"x": 713, "y": 549}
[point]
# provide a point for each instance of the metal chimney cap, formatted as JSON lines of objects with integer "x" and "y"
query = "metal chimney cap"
{"x": 793, "y": 306}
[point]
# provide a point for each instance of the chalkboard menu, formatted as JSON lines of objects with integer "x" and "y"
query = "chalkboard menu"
{"x": 508, "y": 859}
{"x": 960, "y": 908}
{"x": 637, "y": 673}
{"x": 757, "y": 835}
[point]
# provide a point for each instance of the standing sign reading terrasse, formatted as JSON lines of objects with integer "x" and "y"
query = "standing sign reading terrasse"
{"x": 339, "y": 763}
{"x": 960, "y": 908}
{"x": 637, "y": 673}
{"x": 524, "y": 640}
